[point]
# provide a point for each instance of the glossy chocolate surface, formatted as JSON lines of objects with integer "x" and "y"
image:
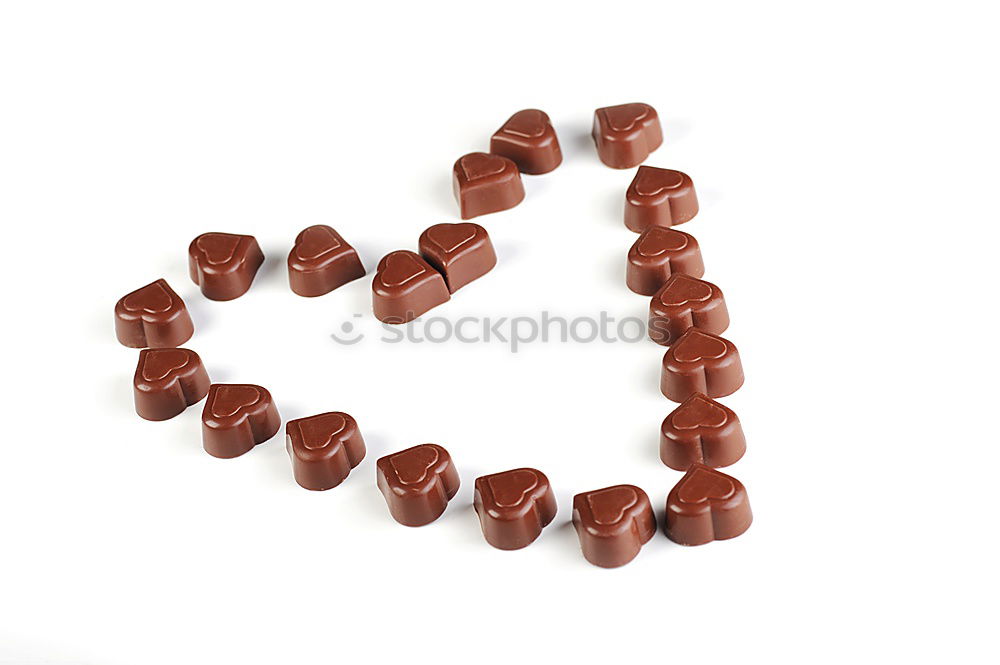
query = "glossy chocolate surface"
{"x": 700, "y": 362}
{"x": 417, "y": 483}
{"x": 684, "y": 302}
{"x": 513, "y": 507}
{"x": 701, "y": 431}
{"x": 224, "y": 264}
{"x": 323, "y": 449}
{"x": 706, "y": 505}
{"x": 626, "y": 134}
{"x": 167, "y": 381}
{"x": 406, "y": 286}
{"x": 460, "y": 252}
{"x": 529, "y": 140}
{"x": 485, "y": 183}
{"x": 320, "y": 261}
{"x": 152, "y": 316}
{"x": 659, "y": 253}
{"x": 613, "y": 524}
{"x": 237, "y": 417}
{"x": 659, "y": 197}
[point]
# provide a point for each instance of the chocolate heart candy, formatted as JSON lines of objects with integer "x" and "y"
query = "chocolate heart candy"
{"x": 167, "y": 381}
{"x": 659, "y": 197}
{"x": 321, "y": 261}
{"x": 529, "y": 140}
{"x": 684, "y": 302}
{"x": 406, "y": 286}
{"x": 224, "y": 264}
{"x": 460, "y": 252}
{"x": 513, "y": 507}
{"x": 659, "y": 253}
{"x": 236, "y": 418}
{"x": 485, "y": 183}
{"x": 703, "y": 431}
{"x": 323, "y": 449}
{"x": 625, "y": 135}
{"x": 417, "y": 483}
{"x": 700, "y": 362}
{"x": 706, "y": 505}
{"x": 613, "y": 524}
{"x": 152, "y": 316}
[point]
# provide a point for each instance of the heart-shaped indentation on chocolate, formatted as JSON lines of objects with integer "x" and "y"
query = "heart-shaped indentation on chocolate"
{"x": 152, "y": 299}
{"x": 218, "y": 248}
{"x": 510, "y": 489}
{"x": 608, "y": 506}
{"x": 530, "y": 124}
{"x": 399, "y": 268}
{"x": 316, "y": 241}
{"x": 625, "y": 117}
{"x": 411, "y": 466}
{"x": 450, "y": 237}
{"x": 652, "y": 181}
{"x": 481, "y": 165}
{"x": 704, "y": 484}
{"x": 699, "y": 411}
{"x": 694, "y": 345}
{"x": 682, "y": 289}
{"x": 321, "y": 431}
{"x": 228, "y": 400}
{"x": 158, "y": 364}
{"x": 658, "y": 240}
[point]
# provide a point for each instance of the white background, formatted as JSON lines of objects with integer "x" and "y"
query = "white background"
{"x": 846, "y": 163}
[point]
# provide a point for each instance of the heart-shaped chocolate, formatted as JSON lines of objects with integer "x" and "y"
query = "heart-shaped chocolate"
{"x": 218, "y": 248}
{"x": 479, "y": 165}
{"x": 230, "y": 399}
{"x": 658, "y": 240}
{"x": 695, "y": 345}
{"x": 158, "y": 364}
{"x": 704, "y": 484}
{"x": 510, "y": 489}
{"x": 682, "y": 289}
{"x": 450, "y": 237}
{"x": 411, "y": 466}
{"x": 624, "y": 118}
{"x": 154, "y": 298}
{"x": 653, "y": 181}
{"x": 398, "y": 268}
{"x": 321, "y": 431}
{"x": 530, "y": 123}
{"x": 609, "y": 506}
{"x": 699, "y": 411}
{"x": 315, "y": 242}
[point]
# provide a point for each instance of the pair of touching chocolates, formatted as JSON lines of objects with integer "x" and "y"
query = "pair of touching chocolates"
{"x": 408, "y": 284}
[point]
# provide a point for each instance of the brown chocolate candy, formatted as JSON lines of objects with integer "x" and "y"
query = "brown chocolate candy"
{"x": 167, "y": 381}
{"x": 659, "y": 253}
{"x": 406, "y": 286}
{"x": 659, "y": 197}
{"x": 701, "y": 431}
{"x": 321, "y": 261}
{"x": 460, "y": 252}
{"x": 237, "y": 417}
{"x": 700, "y": 362}
{"x": 152, "y": 316}
{"x": 684, "y": 302}
{"x": 626, "y": 134}
{"x": 706, "y": 505}
{"x": 613, "y": 524}
{"x": 323, "y": 448}
{"x": 514, "y": 506}
{"x": 224, "y": 264}
{"x": 485, "y": 183}
{"x": 417, "y": 483}
{"x": 528, "y": 140}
